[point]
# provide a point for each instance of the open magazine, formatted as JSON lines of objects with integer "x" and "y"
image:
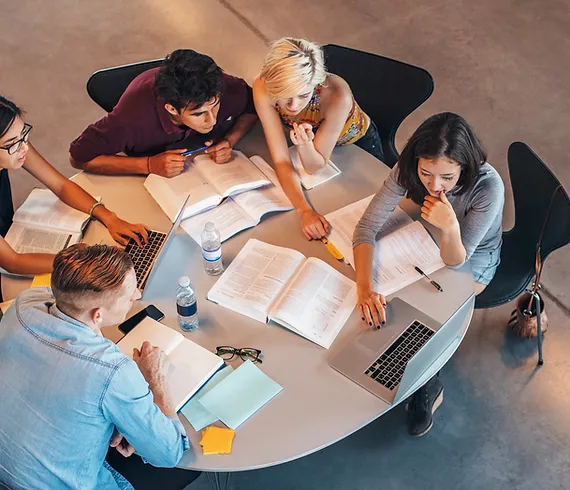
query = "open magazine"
{"x": 207, "y": 182}
{"x": 401, "y": 244}
{"x": 310, "y": 181}
{"x": 307, "y": 296}
{"x": 242, "y": 211}
{"x": 44, "y": 224}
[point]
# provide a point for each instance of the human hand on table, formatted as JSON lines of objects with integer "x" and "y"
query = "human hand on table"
{"x": 121, "y": 230}
{"x": 221, "y": 152}
{"x": 301, "y": 134}
{"x": 372, "y": 306}
{"x": 152, "y": 362}
{"x": 314, "y": 225}
{"x": 439, "y": 212}
{"x": 169, "y": 163}
{"x": 121, "y": 444}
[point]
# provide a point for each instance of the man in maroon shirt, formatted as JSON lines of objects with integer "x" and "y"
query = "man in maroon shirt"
{"x": 187, "y": 102}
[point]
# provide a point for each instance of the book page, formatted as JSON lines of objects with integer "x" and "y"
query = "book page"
{"x": 317, "y": 302}
{"x": 310, "y": 181}
{"x": 258, "y": 202}
{"x": 228, "y": 217}
{"x": 238, "y": 175}
{"x": 189, "y": 365}
{"x": 254, "y": 278}
{"x": 30, "y": 239}
{"x": 396, "y": 255}
{"x": 343, "y": 223}
{"x": 44, "y": 209}
{"x": 170, "y": 194}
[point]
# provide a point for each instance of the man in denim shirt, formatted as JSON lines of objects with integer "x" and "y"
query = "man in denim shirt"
{"x": 67, "y": 393}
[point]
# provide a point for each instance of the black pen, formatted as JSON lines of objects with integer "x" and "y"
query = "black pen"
{"x": 434, "y": 284}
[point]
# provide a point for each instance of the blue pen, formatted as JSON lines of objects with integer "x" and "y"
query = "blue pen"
{"x": 191, "y": 152}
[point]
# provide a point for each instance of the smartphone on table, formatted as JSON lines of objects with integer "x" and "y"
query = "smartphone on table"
{"x": 130, "y": 323}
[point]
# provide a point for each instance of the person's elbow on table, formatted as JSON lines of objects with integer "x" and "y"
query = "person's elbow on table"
{"x": 76, "y": 164}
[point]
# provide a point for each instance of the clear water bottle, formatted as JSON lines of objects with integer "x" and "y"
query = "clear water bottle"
{"x": 186, "y": 305}
{"x": 212, "y": 250}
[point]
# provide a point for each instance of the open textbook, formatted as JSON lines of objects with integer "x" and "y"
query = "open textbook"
{"x": 307, "y": 296}
{"x": 309, "y": 181}
{"x": 44, "y": 224}
{"x": 189, "y": 364}
{"x": 401, "y": 244}
{"x": 243, "y": 211}
{"x": 207, "y": 182}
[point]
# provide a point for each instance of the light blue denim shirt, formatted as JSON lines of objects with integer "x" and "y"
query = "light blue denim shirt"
{"x": 63, "y": 389}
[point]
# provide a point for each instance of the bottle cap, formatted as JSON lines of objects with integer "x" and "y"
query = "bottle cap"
{"x": 209, "y": 226}
{"x": 184, "y": 281}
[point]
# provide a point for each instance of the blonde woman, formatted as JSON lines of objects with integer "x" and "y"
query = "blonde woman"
{"x": 295, "y": 90}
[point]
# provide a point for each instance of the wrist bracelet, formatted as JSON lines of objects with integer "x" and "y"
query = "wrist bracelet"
{"x": 98, "y": 203}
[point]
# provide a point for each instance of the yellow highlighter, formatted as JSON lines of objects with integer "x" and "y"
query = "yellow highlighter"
{"x": 335, "y": 252}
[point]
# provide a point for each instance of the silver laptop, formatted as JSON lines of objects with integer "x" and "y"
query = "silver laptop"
{"x": 147, "y": 258}
{"x": 387, "y": 362}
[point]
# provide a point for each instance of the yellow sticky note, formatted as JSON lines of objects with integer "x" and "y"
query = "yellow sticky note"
{"x": 217, "y": 440}
{"x": 41, "y": 280}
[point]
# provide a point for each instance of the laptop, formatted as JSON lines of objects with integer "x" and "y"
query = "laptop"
{"x": 387, "y": 362}
{"x": 147, "y": 258}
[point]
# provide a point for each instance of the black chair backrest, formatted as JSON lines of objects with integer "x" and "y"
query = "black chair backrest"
{"x": 106, "y": 86}
{"x": 533, "y": 186}
{"x": 386, "y": 89}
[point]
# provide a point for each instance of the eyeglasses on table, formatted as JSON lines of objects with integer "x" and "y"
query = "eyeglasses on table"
{"x": 227, "y": 353}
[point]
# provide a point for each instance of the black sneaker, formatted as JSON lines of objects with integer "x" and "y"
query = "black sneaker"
{"x": 423, "y": 405}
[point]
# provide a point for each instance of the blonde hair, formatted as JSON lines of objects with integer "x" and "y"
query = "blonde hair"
{"x": 291, "y": 65}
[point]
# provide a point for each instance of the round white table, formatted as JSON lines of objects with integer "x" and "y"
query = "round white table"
{"x": 318, "y": 406}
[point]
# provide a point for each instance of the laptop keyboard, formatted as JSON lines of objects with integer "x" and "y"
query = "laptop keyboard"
{"x": 143, "y": 257}
{"x": 388, "y": 369}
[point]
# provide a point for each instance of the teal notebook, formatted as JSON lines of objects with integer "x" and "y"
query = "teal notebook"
{"x": 240, "y": 395}
{"x": 196, "y": 414}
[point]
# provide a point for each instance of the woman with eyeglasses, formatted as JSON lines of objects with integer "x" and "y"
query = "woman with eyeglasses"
{"x": 443, "y": 168}
{"x": 17, "y": 152}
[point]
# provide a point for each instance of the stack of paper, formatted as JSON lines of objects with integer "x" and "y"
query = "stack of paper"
{"x": 231, "y": 396}
{"x": 217, "y": 440}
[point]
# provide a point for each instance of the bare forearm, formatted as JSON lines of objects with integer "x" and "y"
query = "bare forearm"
{"x": 292, "y": 186}
{"x": 29, "y": 264}
{"x": 452, "y": 251}
{"x": 163, "y": 399}
{"x": 76, "y": 197}
{"x": 114, "y": 165}
{"x": 242, "y": 126}
{"x": 363, "y": 262}
{"x": 311, "y": 159}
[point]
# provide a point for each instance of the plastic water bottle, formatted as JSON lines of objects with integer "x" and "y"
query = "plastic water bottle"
{"x": 186, "y": 305}
{"x": 212, "y": 250}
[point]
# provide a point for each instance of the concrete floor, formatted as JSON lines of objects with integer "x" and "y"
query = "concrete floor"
{"x": 502, "y": 65}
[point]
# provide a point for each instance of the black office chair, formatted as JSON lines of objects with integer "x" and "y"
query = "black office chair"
{"x": 106, "y": 86}
{"x": 533, "y": 186}
{"x": 386, "y": 89}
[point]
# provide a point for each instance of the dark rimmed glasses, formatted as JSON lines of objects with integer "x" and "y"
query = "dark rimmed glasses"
{"x": 227, "y": 353}
{"x": 24, "y": 136}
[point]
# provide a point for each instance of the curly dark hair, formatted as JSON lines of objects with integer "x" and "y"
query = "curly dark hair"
{"x": 8, "y": 113}
{"x": 442, "y": 135}
{"x": 188, "y": 79}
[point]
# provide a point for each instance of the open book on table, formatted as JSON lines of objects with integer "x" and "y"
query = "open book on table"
{"x": 401, "y": 244}
{"x": 307, "y": 296}
{"x": 44, "y": 224}
{"x": 207, "y": 182}
{"x": 189, "y": 364}
{"x": 310, "y": 181}
{"x": 242, "y": 211}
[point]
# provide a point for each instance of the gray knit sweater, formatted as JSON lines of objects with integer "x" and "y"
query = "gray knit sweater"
{"x": 479, "y": 212}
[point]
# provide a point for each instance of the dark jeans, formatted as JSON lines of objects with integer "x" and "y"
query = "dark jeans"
{"x": 371, "y": 142}
{"x": 145, "y": 476}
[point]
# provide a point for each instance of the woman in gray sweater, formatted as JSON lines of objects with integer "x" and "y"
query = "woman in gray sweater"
{"x": 443, "y": 169}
